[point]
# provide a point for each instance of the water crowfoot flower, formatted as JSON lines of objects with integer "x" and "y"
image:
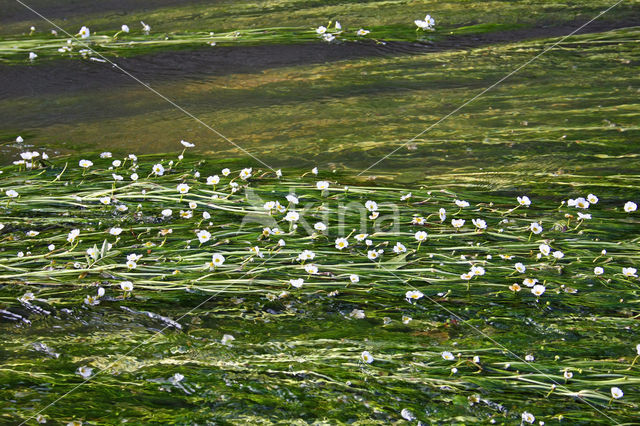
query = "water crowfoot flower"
{"x": 538, "y": 290}
{"x": 84, "y": 32}
{"x": 616, "y": 393}
{"x": 524, "y": 201}
{"x": 413, "y": 295}
{"x": 426, "y": 24}
{"x": 84, "y": 371}
{"x": 366, "y": 357}
{"x": 203, "y": 236}
{"x": 341, "y": 243}
{"x": 528, "y": 417}
{"x": 630, "y": 206}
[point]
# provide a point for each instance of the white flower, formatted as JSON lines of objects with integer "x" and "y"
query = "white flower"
{"x": 529, "y": 358}
{"x": 567, "y": 374}
{"x": 73, "y": 235}
{"x": 528, "y": 417}
{"x": 146, "y": 28}
{"x": 442, "y": 213}
{"x": 105, "y": 200}
{"x": 227, "y": 339}
{"x": 106, "y": 154}
{"x": 245, "y": 173}
{"x": 366, "y": 357}
{"x": 372, "y": 206}
{"x": 193, "y": 205}
{"x": 558, "y": 254}
{"x": 314, "y": 171}
{"x": 630, "y": 206}
{"x": 466, "y": 276}
{"x": 167, "y": 212}
{"x": 213, "y": 180}
{"x": 407, "y": 415}
{"x": 616, "y": 392}
{"x": 341, "y": 243}
{"x": 373, "y": 254}
{"x": 544, "y": 249}
{"x": 592, "y": 199}
{"x": 530, "y": 282}
{"x": 457, "y": 223}
{"x": 131, "y": 264}
{"x": 203, "y": 236}
{"x": 206, "y": 215}
{"x": 225, "y": 172}
{"x": 115, "y": 231}
{"x": 32, "y": 233}
{"x": 51, "y": 247}
{"x": 116, "y": 163}
{"x": 581, "y": 203}
{"x": 84, "y": 32}
{"x": 27, "y": 297}
{"x": 426, "y": 24}
{"x": 19, "y": 139}
{"x": 461, "y": 203}
{"x": 12, "y": 193}
{"x": 217, "y": 259}
{"x": 297, "y": 283}
{"x": 538, "y": 290}
{"x": 362, "y": 32}
{"x": 598, "y": 270}
{"x": 354, "y": 278}
{"x": 85, "y": 163}
{"x": 399, "y": 248}
{"x": 524, "y": 201}
{"x": 320, "y": 227}
{"x": 413, "y": 295}
{"x": 311, "y": 269}
{"x": 629, "y": 272}
{"x": 93, "y": 253}
{"x": 328, "y": 37}
{"x": 125, "y": 28}
{"x": 187, "y": 144}
{"x": 583, "y": 216}
{"x": 420, "y": 236}
{"x": 323, "y": 184}
{"x": 32, "y": 56}
{"x": 158, "y": 169}
{"x": 292, "y": 216}
{"x": 477, "y": 270}
{"x": 520, "y": 267}
{"x": 479, "y": 223}
{"x": 126, "y": 285}
{"x": 85, "y": 372}
{"x": 306, "y": 255}
{"x": 536, "y": 228}
{"x": 448, "y": 356}
{"x": 183, "y": 188}
{"x": 321, "y": 29}
{"x": 292, "y": 199}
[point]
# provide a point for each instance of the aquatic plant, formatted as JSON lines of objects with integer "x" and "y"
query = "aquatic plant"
{"x": 460, "y": 304}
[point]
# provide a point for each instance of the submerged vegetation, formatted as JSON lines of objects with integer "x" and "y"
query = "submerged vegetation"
{"x": 485, "y": 272}
{"x": 305, "y": 288}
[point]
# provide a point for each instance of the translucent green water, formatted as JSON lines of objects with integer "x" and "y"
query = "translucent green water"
{"x": 563, "y": 127}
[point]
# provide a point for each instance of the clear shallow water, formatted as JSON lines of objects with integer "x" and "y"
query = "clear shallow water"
{"x": 565, "y": 126}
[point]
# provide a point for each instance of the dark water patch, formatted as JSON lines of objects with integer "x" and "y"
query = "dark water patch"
{"x": 69, "y": 76}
